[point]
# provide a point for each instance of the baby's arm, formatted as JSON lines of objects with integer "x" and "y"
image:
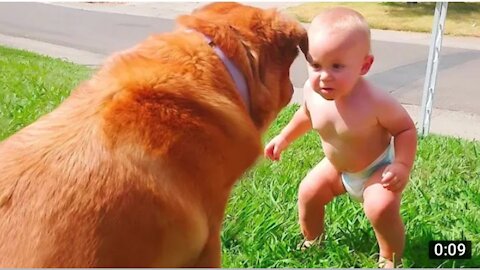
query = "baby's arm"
{"x": 298, "y": 125}
{"x": 396, "y": 120}
{"x": 300, "y": 122}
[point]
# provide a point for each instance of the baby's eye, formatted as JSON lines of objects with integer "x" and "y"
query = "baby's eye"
{"x": 316, "y": 66}
{"x": 338, "y": 66}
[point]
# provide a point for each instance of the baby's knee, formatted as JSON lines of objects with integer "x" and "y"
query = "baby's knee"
{"x": 381, "y": 212}
{"x": 318, "y": 194}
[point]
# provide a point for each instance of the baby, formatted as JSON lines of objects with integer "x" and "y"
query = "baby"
{"x": 368, "y": 138}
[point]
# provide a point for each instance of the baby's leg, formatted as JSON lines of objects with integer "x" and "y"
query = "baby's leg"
{"x": 317, "y": 189}
{"x": 382, "y": 207}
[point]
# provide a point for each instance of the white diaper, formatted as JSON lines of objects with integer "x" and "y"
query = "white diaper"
{"x": 354, "y": 183}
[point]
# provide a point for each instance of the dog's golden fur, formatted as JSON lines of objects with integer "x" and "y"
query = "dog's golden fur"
{"x": 134, "y": 169}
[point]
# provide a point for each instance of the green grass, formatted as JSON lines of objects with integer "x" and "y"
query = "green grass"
{"x": 442, "y": 202}
{"x": 32, "y": 85}
{"x": 261, "y": 229}
{"x": 463, "y": 19}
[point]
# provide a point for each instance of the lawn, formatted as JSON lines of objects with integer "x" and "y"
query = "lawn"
{"x": 442, "y": 201}
{"x": 463, "y": 19}
{"x": 31, "y": 85}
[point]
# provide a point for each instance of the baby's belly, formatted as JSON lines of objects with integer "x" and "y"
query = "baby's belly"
{"x": 353, "y": 158}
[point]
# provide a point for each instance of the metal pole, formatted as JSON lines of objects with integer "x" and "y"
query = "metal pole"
{"x": 432, "y": 67}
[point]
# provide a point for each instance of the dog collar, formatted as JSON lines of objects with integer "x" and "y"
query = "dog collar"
{"x": 235, "y": 73}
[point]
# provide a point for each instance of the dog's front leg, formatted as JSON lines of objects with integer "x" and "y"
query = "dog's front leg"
{"x": 211, "y": 253}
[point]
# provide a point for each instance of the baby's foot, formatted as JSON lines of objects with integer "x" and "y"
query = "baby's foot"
{"x": 386, "y": 263}
{"x": 305, "y": 244}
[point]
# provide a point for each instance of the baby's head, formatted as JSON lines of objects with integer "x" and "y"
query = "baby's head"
{"x": 339, "y": 50}
{"x": 339, "y": 20}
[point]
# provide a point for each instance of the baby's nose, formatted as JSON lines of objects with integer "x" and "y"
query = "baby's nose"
{"x": 325, "y": 75}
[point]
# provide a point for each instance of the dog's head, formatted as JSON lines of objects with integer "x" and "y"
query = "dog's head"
{"x": 263, "y": 44}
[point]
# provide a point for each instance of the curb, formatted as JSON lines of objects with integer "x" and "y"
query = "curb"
{"x": 55, "y": 51}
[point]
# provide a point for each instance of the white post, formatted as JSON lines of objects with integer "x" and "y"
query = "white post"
{"x": 432, "y": 67}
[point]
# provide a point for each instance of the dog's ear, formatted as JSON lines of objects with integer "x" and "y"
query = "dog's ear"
{"x": 304, "y": 47}
{"x": 291, "y": 31}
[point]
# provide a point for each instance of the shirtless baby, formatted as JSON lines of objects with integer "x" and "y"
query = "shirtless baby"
{"x": 368, "y": 138}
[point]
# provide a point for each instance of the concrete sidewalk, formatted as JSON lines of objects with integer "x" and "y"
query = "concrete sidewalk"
{"x": 170, "y": 10}
{"x": 445, "y": 122}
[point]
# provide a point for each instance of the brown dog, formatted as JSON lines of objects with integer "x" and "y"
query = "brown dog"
{"x": 134, "y": 169}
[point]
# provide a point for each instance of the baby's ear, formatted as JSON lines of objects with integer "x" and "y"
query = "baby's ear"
{"x": 367, "y": 64}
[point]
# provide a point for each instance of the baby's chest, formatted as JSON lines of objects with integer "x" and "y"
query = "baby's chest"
{"x": 353, "y": 122}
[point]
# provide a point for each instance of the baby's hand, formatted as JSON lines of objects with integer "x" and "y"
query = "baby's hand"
{"x": 274, "y": 148}
{"x": 395, "y": 177}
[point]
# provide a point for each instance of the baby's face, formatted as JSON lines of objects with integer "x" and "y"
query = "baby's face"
{"x": 337, "y": 61}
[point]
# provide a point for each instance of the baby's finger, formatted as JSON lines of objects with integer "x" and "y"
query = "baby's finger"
{"x": 395, "y": 184}
{"x": 387, "y": 177}
{"x": 268, "y": 152}
{"x": 276, "y": 153}
{"x": 265, "y": 151}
